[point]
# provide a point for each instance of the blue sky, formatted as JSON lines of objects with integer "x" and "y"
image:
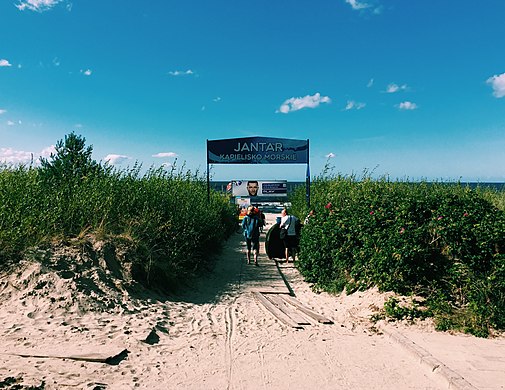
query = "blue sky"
{"x": 413, "y": 89}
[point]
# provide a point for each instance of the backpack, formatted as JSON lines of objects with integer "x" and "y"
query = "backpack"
{"x": 298, "y": 227}
{"x": 250, "y": 225}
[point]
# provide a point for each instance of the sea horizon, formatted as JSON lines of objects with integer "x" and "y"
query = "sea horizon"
{"x": 220, "y": 185}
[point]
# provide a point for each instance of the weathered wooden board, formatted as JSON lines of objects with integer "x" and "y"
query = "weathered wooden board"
{"x": 304, "y": 309}
{"x": 294, "y": 314}
{"x": 112, "y": 359}
{"x": 276, "y": 312}
{"x": 263, "y": 278}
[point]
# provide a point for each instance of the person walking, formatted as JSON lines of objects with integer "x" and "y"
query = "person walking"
{"x": 251, "y": 227}
{"x": 290, "y": 240}
{"x": 263, "y": 220}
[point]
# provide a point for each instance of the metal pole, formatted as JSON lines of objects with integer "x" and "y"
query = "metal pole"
{"x": 208, "y": 176}
{"x": 307, "y": 178}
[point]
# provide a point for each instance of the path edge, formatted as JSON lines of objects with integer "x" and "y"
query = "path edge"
{"x": 454, "y": 380}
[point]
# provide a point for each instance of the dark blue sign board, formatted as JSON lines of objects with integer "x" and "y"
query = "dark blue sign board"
{"x": 258, "y": 150}
{"x": 275, "y": 188}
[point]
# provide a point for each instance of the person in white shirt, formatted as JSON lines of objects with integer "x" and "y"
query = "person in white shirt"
{"x": 290, "y": 240}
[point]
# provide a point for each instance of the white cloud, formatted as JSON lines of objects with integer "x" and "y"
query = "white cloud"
{"x": 165, "y": 154}
{"x": 10, "y": 123}
{"x": 498, "y": 84}
{"x": 331, "y": 155}
{"x": 2, "y": 111}
{"x": 357, "y": 5}
{"x": 295, "y": 104}
{"x": 352, "y": 105}
{"x": 11, "y": 156}
{"x": 392, "y": 88}
{"x": 37, "y": 5}
{"x": 378, "y": 10}
{"x": 407, "y": 106}
{"x": 46, "y": 152}
{"x": 116, "y": 159}
{"x": 370, "y": 83}
{"x": 86, "y": 72}
{"x": 217, "y": 99}
{"x": 371, "y": 6}
{"x": 4, "y": 62}
{"x": 181, "y": 72}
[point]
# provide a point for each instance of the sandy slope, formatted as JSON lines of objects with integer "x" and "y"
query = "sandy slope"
{"x": 215, "y": 335}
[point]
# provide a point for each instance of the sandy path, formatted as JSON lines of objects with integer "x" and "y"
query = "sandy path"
{"x": 216, "y": 335}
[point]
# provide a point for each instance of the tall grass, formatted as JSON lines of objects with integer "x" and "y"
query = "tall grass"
{"x": 494, "y": 196}
{"x": 442, "y": 241}
{"x": 164, "y": 216}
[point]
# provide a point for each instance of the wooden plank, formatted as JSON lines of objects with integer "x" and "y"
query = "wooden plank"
{"x": 277, "y": 300}
{"x": 265, "y": 278}
{"x": 304, "y": 309}
{"x": 276, "y": 312}
{"x": 270, "y": 290}
{"x": 91, "y": 357}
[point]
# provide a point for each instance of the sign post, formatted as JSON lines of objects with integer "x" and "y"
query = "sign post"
{"x": 307, "y": 179}
{"x": 259, "y": 150}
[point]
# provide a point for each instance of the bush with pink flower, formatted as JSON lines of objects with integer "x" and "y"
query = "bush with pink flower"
{"x": 445, "y": 242}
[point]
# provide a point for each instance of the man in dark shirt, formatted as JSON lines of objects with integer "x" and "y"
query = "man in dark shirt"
{"x": 251, "y": 226}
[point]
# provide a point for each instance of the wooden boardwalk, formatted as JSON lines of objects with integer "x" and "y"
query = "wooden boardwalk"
{"x": 265, "y": 277}
{"x": 269, "y": 286}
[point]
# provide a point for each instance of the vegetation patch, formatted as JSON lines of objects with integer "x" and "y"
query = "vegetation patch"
{"x": 444, "y": 242}
{"x": 165, "y": 218}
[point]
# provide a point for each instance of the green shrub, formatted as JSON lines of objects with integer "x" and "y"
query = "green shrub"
{"x": 443, "y": 241}
{"x": 165, "y": 216}
{"x": 72, "y": 161}
{"x": 397, "y": 310}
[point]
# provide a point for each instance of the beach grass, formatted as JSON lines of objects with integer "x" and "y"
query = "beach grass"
{"x": 165, "y": 217}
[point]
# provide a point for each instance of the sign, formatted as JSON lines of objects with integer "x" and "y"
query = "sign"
{"x": 259, "y": 188}
{"x": 258, "y": 150}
